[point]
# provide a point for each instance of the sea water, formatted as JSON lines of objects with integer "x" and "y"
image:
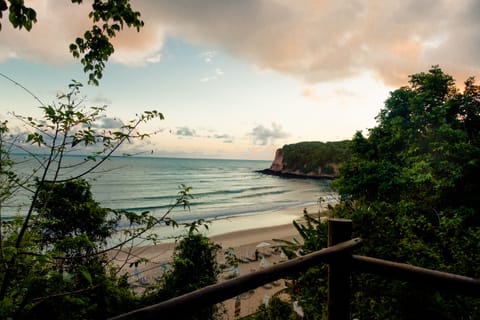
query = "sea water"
{"x": 221, "y": 189}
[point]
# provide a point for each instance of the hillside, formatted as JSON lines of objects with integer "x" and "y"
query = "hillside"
{"x": 312, "y": 159}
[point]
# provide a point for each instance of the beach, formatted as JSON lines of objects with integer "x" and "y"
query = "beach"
{"x": 243, "y": 239}
{"x": 245, "y": 208}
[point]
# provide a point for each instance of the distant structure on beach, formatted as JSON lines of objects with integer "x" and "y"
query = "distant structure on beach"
{"x": 312, "y": 159}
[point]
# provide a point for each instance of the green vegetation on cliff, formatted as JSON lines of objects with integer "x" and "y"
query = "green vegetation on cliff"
{"x": 311, "y": 156}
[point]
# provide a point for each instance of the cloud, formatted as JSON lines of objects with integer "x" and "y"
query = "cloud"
{"x": 107, "y": 123}
{"x": 49, "y": 38}
{"x": 185, "y": 132}
{"x": 319, "y": 40}
{"x": 308, "y": 93}
{"x": 313, "y": 40}
{"x": 139, "y": 49}
{"x": 208, "y": 56}
{"x": 60, "y": 23}
{"x": 263, "y": 135}
{"x": 221, "y": 136}
{"x": 102, "y": 100}
{"x": 225, "y": 137}
{"x": 214, "y": 75}
{"x": 199, "y": 133}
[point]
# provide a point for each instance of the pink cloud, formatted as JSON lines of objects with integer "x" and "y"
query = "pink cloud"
{"x": 313, "y": 40}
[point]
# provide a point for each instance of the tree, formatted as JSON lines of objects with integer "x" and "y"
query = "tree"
{"x": 71, "y": 220}
{"x": 81, "y": 284}
{"x": 52, "y": 256}
{"x": 276, "y": 309}
{"x": 411, "y": 188}
{"x": 194, "y": 267}
{"x": 94, "y": 48}
{"x": 50, "y": 269}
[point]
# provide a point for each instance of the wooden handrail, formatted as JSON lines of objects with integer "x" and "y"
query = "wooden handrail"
{"x": 341, "y": 264}
{"x": 432, "y": 278}
{"x": 188, "y": 303}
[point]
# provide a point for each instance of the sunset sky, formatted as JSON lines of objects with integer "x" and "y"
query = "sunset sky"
{"x": 240, "y": 78}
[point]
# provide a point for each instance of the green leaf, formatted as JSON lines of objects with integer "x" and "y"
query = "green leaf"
{"x": 67, "y": 277}
{"x": 35, "y": 138}
{"x": 86, "y": 275}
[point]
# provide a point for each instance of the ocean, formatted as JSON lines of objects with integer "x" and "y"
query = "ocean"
{"x": 221, "y": 189}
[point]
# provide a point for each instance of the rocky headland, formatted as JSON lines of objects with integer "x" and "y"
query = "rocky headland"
{"x": 309, "y": 160}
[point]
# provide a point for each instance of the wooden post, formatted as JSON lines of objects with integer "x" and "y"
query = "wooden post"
{"x": 339, "y": 230}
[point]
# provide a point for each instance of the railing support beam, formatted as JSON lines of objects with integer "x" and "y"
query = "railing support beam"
{"x": 181, "y": 307}
{"x": 444, "y": 281}
{"x": 339, "y": 230}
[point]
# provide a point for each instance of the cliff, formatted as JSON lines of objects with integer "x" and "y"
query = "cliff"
{"x": 316, "y": 160}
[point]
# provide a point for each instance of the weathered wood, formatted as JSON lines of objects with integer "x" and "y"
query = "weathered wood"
{"x": 436, "y": 279}
{"x": 180, "y": 307}
{"x": 341, "y": 263}
{"x": 339, "y": 230}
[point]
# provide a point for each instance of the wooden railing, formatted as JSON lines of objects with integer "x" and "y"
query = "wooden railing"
{"x": 341, "y": 263}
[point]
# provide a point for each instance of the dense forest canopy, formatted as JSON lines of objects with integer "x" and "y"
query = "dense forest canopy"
{"x": 411, "y": 188}
{"x": 426, "y": 146}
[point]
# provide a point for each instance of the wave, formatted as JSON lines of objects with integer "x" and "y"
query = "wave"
{"x": 232, "y": 191}
{"x": 255, "y": 195}
{"x": 221, "y": 188}
{"x": 161, "y": 207}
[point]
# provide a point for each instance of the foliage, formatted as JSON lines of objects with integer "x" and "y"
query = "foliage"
{"x": 310, "y": 287}
{"x": 43, "y": 288}
{"x": 71, "y": 219}
{"x": 8, "y": 178}
{"x": 411, "y": 188}
{"x": 313, "y": 232}
{"x": 107, "y": 16}
{"x": 194, "y": 266}
{"x": 309, "y": 156}
{"x": 53, "y": 255}
{"x": 276, "y": 309}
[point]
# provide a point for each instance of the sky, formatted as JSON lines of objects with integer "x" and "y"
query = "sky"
{"x": 239, "y": 79}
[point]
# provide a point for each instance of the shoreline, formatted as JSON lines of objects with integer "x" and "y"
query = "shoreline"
{"x": 225, "y": 225}
{"x": 232, "y": 232}
{"x": 296, "y": 175}
{"x": 235, "y": 231}
{"x": 242, "y": 243}
{"x": 246, "y": 223}
{"x": 239, "y": 234}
